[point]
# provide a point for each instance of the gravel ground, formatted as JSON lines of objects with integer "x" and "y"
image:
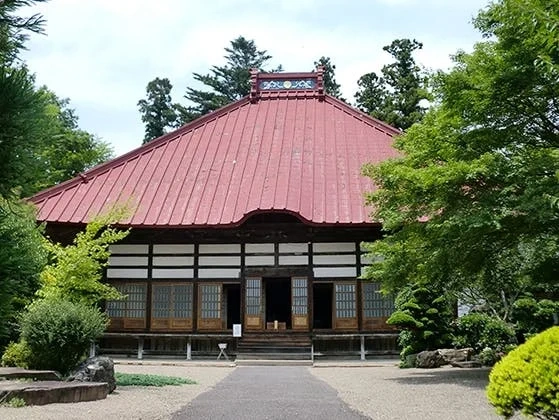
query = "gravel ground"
{"x": 388, "y": 392}
{"x": 130, "y": 402}
{"x": 378, "y": 391}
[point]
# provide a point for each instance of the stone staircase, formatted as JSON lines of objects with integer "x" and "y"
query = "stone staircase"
{"x": 274, "y": 346}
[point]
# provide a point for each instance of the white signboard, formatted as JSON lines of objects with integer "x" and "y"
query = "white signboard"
{"x": 237, "y": 330}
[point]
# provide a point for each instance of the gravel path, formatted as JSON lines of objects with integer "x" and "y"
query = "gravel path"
{"x": 130, "y": 402}
{"x": 388, "y": 392}
{"x": 379, "y": 392}
{"x": 269, "y": 392}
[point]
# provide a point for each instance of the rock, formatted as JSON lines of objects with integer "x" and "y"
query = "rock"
{"x": 456, "y": 355}
{"x": 96, "y": 369}
{"x": 429, "y": 359}
{"x": 466, "y": 364}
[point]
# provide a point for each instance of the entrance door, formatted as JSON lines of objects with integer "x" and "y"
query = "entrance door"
{"x": 232, "y": 306}
{"x": 278, "y": 302}
{"x": 253, "y": 303}
{"x": 322, "y": 305}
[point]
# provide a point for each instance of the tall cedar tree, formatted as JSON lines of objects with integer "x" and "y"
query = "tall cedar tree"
{"x": 158, "y": 111}
{"x": 468, "y": 206}
{"x": 331, "y": 87}
{"x": 228, "y": 83}
{"x": 395, "y": 96}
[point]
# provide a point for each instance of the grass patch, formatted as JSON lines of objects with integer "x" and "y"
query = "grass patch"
{"x": 15, "y": 402}
{"x": 140, "y": 379}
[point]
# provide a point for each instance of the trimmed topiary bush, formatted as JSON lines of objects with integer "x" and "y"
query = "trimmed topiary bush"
{"x": 423, "y": 314}
{"x": 527, "y": 379}
{"x": 532, "y": 316}
{"x": 481, "y": 331}
{"x": 59, "y": 333}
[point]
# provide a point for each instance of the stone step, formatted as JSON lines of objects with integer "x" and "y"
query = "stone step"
{"x": 273, "y": 356}
{"x": 273, "y": 362}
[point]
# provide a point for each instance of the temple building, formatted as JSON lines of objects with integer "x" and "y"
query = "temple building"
{"x": 252, "y": 215}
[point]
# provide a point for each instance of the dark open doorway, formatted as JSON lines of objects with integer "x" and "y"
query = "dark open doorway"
{"x": 278, "y": 300}
{"x": 232, "y": 293}
{"x": 322, "y": 305}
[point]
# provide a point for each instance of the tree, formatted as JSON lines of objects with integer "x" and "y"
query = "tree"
{"x": 74, "y": 272}
{"x": 64, "y": 149}
{"x": 467, "y": 204}
{"x": 22, "y": 257}
{"x": 228, "y": 83}
{"x": 331, "y": 87}
{"x": 395, "y": 96}
{"x": 14, "y": 29}
{"x": 158, "y": 111}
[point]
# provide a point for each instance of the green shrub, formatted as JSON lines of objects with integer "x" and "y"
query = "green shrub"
{"x": 527, "y": 379}
{"x": 60, "y": 332}
{"x": 532, "y": 316}
{"x": 481, "y": 331}
{"x": 424, "y": 315}
{"x": 17, "y": 355}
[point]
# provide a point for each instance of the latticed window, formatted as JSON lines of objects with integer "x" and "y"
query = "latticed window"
{"x": 210, "y": 301}
{"x": 253, "y": 296}
{"x": 172, "y": 301}
{"x": 134, "y": 306}
{"x": 299, "y": 296}
{"x": 345, "y": 300}
{"x": 374, "y": 304}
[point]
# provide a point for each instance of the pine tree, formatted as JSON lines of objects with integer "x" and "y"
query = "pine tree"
{"x": 331, "y": 87}
{"x": 395, "y": 96}
{"x": 158, "y": 111}
{"x": 228, "y": 83}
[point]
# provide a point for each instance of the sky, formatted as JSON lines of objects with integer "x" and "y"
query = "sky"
{"x": 102, "y": 53}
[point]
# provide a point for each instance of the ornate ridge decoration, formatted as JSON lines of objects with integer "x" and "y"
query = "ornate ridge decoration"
{"x": 286, "y": 82}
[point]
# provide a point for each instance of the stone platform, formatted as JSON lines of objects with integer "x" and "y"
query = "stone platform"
{"x": 40, "y": 387}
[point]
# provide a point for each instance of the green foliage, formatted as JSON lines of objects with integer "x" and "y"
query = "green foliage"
{"x": 22, "y": 258}
{"x": 59, "y": 332}
{"x": 526, "y": 379}
{"x": 138, "y": 379}
{"x": 17, "y": 355}
{"x": 14, "y": 29}
{"x": 467, "y": 203}
{"x": 14, "y": 402}
{"x": 424, "y": 315}
{"x": 228, "y": 83}
{"x": 158, "y": 111}
{"x": 75, "y": 271}
{"x": 480, "y": 331}
{"x": 64, "y": 149}
{"x": 331, "y": 87}
{"x": 20, "y": 119}
{"x": 395, "y": 96}
{"x": 532, "y": 316}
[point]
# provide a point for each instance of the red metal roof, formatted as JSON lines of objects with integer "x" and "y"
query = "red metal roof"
{"x": 279, "y": 149}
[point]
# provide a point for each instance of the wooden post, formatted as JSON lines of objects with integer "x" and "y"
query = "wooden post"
{"x": 189, "y": 349}
{"x": 362, "y": 347}
{"x": 140, "y": 348}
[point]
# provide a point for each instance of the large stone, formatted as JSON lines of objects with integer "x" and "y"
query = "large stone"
{"x": 49, "y": 392}
{"x": 37, "y": 375}
{"x": 429, "y": 359}
{"x": 456, "y": 355}
{"x": 96, "y": 369}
